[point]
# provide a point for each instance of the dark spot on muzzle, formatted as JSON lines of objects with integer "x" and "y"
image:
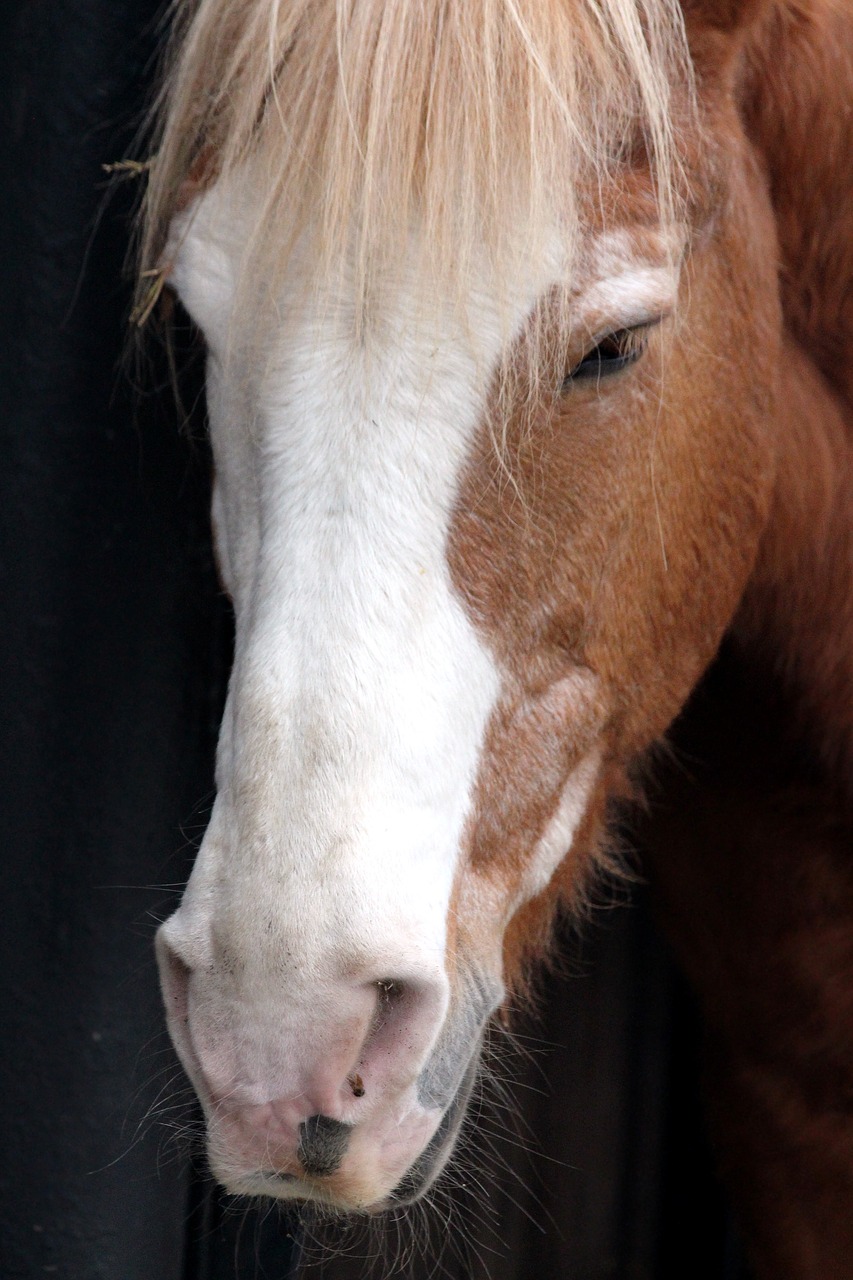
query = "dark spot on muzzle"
{"x": 322, "y": 1146}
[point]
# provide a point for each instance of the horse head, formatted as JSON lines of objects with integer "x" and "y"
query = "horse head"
{"x": 484, "y": 511}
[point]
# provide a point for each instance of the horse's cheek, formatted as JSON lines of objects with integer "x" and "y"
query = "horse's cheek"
{"x": 700, "y": 480}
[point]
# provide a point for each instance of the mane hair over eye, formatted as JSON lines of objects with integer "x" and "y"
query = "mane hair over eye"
{"x": 475, "y": 121}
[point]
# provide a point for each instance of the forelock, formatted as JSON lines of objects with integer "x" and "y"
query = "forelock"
{"x": 477, "y": 121}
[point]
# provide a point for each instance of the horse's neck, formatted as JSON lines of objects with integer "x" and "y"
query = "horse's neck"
{"x": 798, "y": 612}
{"x": 797, "y": 616}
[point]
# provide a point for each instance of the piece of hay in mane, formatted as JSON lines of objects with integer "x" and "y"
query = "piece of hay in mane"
{"x": 129, "y": 168}
{"x": 153, "y": 282}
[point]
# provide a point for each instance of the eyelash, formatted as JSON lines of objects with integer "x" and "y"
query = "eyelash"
{"x": 615, "y": 352}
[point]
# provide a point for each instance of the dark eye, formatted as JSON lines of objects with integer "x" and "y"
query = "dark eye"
{"x": 612, "y": 354}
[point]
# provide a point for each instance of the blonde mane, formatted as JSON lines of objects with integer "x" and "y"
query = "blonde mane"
{"x": 475, "y": 117}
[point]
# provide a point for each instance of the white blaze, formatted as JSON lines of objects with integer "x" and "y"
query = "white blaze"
{"x": 361, "y": 690}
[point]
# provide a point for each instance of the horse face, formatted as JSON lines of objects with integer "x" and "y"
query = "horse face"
{"x": 458, "y": 618}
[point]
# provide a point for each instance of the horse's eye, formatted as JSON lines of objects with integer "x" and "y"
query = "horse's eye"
{"x": 610, "y": 355}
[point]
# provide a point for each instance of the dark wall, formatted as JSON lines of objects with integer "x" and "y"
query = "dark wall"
{"x": 114, "y": 646}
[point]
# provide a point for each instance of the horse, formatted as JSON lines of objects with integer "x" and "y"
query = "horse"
{"x": 528, "y": 333}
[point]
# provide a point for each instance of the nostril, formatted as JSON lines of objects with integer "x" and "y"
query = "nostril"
{"x": 407, "y": 1014}
{"x": 389, "y": 987}
{"x": 174, "y": 980}
{"x": 393, "y": 998}
{"x": 390, "y": 992}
